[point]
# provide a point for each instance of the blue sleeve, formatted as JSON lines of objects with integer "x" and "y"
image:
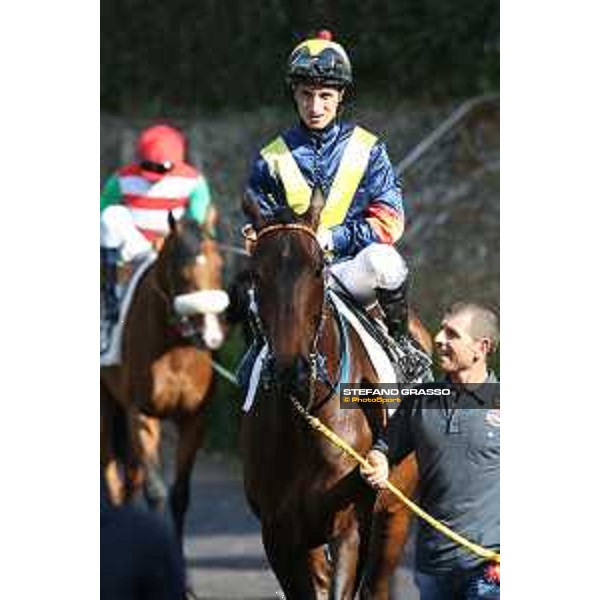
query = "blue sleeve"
{"x": 382, "y": 220}
{"x": 382, "y": 183}
{"x": 264, "y": 189}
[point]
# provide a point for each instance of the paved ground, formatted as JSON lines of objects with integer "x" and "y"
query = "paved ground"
{"x": 224, "y": 552}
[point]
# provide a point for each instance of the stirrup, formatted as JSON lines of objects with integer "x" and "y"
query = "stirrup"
{"x": 411, "y": 364}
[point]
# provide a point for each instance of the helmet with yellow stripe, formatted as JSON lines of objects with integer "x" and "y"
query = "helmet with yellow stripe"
{"x": 319, "y": 61}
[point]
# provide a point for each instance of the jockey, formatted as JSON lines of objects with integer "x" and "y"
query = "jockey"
{"x": 136, "y": 200}
{"x": 363, "y": 215}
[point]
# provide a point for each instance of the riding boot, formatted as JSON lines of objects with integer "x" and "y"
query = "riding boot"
{"x": 395, "y": 306}
{"x": 109, "y": 260}
{"x": 411, "y": 364}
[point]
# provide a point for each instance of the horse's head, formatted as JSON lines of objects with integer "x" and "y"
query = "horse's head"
{"x": 189, "y": 269}
{"x": 287, "y": 271}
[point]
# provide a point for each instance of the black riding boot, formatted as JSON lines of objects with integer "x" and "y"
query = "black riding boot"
{"x": 395, "y": 306}
{"x": 412, "y": 364}
{"x": 109, "y": 260}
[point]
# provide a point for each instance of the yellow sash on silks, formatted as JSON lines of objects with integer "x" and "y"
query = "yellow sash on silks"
{"x": 352, "y": 167}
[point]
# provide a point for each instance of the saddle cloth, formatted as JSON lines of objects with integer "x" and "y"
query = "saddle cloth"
{"x": 112, "y": 355}
{"x": 377, "y": 355}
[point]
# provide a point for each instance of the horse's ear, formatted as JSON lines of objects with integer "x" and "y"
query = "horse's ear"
{"x": 252, "y": 211}
{"x": 172, "y": 222}
{"x": 313, "y": 214}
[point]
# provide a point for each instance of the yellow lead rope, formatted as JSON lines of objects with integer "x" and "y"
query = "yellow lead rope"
{"x": 485, "y": 553}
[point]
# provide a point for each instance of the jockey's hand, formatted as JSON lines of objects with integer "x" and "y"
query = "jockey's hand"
{"x": 325, "y": 239}
{"x": 378, "y": 472}
{"x": 250, "y": 237}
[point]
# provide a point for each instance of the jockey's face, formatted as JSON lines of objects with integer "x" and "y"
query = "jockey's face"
{"x": 317, "y": 105}
{"x": 457, "y": 350}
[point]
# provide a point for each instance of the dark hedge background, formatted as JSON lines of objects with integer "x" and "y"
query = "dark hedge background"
{"x": 215, "y": 54}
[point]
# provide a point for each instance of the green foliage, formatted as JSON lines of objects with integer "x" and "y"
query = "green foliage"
{"x": 225, "y": 408}
{"x": 213, "y": 54}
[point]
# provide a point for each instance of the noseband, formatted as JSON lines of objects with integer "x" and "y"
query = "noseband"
{"x": 182, "y": 324}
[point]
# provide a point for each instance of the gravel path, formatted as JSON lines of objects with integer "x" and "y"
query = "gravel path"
{"x": 223, "y": 548}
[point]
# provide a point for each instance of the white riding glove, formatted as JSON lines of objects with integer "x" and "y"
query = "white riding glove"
{"x": 325, "y": 239}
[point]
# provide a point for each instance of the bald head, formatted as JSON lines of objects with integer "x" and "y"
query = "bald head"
{"x": 481, "y": 322}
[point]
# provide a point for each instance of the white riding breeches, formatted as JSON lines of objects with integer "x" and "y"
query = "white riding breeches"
{"x": 376, "y": 266}
{"x": 117, "y": 230}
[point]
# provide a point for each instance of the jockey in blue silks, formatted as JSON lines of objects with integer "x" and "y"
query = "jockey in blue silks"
{"x": 363, "y": 216}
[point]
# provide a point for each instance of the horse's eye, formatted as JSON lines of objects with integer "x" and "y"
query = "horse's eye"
{"x": 319, "y": 271}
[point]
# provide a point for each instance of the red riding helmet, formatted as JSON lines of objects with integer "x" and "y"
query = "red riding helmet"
{"x": 159, "y": 147}
{"x": 319, "y": 61}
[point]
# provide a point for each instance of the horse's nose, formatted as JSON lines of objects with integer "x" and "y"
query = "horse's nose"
{"x": 293, "y": 372}
{"x": 302, "y": 369}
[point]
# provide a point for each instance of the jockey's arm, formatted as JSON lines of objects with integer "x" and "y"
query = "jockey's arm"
{"x": 111, "y": 193}
{"x": 199, "y": 207}
{"x": 382, "y": 221}
{"x": 212, "y": 217}
{"x": 264, "y": 189}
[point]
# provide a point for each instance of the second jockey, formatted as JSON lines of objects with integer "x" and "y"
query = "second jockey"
{"x": 363, "y": 215}
{"x": 136, "y": 200}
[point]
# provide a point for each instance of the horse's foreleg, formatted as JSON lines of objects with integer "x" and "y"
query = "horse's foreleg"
{"x": 303, "y": 574}
{"x": 155, "y": 489}
{"x": 320, "y": 569}
{"x": 349, "y": 552}
{"x": 191, "y": 433}
{"x": 133, "y": 455}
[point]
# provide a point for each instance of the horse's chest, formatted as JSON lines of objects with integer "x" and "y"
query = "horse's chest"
{"x": 180, "y": 379}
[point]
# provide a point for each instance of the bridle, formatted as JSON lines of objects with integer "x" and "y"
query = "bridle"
{"x": 182, "y": 324}
{"x": 316, "y": 359}
{"x": 288, "y": 226}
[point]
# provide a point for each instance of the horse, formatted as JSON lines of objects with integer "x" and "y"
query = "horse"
{"x": 165, "y": 371}
{"x": 325, "y": 532}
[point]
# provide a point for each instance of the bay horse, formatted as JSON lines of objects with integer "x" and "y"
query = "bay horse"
{"x": 165, "y": 370}
{"x": 325, "y": 532}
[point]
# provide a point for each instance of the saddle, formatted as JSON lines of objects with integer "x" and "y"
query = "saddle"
{"x": 411, "y": 364}
{"x": 110, "y": 337}
{"x": 393, "y": 361}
